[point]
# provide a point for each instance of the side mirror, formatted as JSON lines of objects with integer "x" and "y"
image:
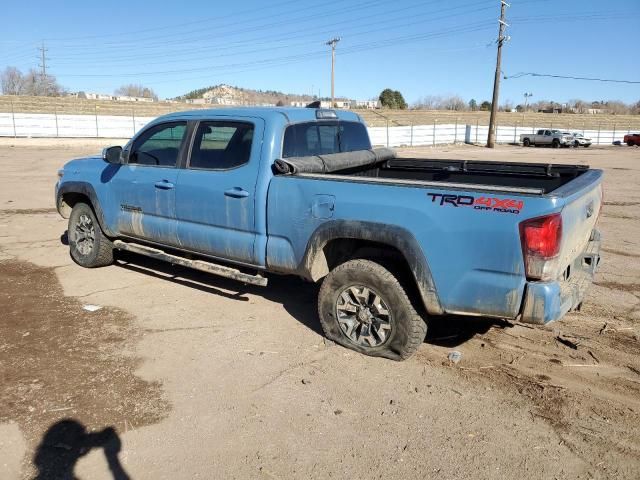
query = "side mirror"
{"x": 112, "y": 155}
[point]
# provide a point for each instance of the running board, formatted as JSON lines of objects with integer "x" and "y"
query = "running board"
{"x": 201, "y": 265}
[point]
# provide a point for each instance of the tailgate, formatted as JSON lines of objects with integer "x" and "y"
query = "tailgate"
{"x": 583, "y": 200}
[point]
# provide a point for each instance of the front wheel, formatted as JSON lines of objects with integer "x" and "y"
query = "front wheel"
{"x": 362, "y": 306}
{"x": 89, "y": 247}
{"x": 555, "y": 143}
{"x": 630, "y": 143}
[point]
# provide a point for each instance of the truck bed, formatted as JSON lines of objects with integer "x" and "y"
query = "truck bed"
{"x": 543, "y": 178}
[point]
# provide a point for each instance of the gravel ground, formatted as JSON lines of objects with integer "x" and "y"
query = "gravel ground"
{"x": 183, "y": 375}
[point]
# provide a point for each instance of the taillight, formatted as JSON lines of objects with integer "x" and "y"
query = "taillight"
{"x": 541, "y": 237}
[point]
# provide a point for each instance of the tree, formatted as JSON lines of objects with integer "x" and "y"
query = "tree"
{"x": 485, "y": 106}
{"x": 392, "y": 99}
{"x": 387, "y": 98}
{"x": 453, "y": 102}
{"x": 136, "y": 90}
{"x": 12, "y": 81}
{"x": 473, "y": 105}
{"x": 507, "y": 106}
{"x": 429, "y": 102}
{"x": 400, "y": 103}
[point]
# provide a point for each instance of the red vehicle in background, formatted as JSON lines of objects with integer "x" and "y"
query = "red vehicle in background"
{"x": 632, "y": 139}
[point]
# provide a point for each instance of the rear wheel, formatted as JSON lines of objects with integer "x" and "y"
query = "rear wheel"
{"x": 362, "y": 306}
{"x": 576, "y": 144}
{"x": 89, "y": 247}
{"x": 630, "y": 143}
{"x": 526, "y": 142}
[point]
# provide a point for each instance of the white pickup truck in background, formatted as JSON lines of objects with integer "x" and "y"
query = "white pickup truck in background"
{"x": 553, "y": 138}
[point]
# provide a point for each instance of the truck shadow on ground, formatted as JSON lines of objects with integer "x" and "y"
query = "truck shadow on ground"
{"x": 299, "y": 298}
{"x": 68, "y": 440}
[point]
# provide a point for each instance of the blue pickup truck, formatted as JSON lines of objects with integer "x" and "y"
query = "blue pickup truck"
{"x": 253, "y": 192}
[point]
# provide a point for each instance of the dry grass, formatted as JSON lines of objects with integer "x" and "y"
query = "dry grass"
{"x": 21, "y": 104}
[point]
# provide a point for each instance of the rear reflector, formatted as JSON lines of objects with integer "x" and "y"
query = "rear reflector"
{"x": 540, "y": 237}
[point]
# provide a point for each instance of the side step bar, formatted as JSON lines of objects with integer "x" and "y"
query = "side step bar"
{"x": 201, "y": 265}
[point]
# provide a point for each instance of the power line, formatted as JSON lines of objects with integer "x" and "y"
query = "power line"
{"x": 473, "y": 27}
{"x": 173, "y": 57}
{"x": 569, "y": 77}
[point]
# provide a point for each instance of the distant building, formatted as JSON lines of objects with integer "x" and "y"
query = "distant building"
{"x": 98, "y": 96}
{"x": 196, "y": 101}
{"x": 299, "y": 104}
{"x": 339, "y": 103}
{"x": 368, "y": 104}
{"x": 557, "y": 109}
{"x": 126, "y": 98}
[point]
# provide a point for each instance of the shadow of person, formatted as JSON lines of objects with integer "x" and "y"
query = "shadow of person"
{"x": 66, "y": 441}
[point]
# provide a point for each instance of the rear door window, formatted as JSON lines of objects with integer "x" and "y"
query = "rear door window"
{"x": 322, "y": 138}
{"x": 221, "y": 145}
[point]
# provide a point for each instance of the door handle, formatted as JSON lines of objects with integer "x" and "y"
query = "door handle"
{"x": 164, "y": 185}
{"x": 236, "y": 192}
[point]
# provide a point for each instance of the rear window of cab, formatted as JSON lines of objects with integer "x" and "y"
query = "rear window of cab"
{"x": 322, "y": 138}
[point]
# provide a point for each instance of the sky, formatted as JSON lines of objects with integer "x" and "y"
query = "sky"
{"x": 421, "y": 48}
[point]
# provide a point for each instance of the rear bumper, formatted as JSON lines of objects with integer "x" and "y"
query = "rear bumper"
{"x": 546, "y": 302}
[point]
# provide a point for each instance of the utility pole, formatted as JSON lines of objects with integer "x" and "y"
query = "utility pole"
{"x": 491, "y": 140}
{"x": 526, "y": 99}
{"x": 332, "y": 43}
{"x": 44, "y": 80}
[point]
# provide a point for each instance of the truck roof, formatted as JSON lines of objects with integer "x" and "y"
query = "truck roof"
{"x": 292, "y": 114}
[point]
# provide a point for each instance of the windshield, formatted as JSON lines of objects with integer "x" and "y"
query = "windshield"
{"x": 322, "y": 138}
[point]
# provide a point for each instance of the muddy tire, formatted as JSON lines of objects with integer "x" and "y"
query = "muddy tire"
{"x": 362, "y": 306}
{"x": 88, "y": 245}
{"x": 555, "y": 143}
{"x": 526, "y": 142}
{"x": 630, "y": 143}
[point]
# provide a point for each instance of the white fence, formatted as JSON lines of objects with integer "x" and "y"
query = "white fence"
{"x": 58, "y": 125}
{"x": 435, "y": 134}
{"x": 111, "y": 126}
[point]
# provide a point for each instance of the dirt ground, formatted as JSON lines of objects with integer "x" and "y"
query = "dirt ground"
{"x": 184, "y": 375}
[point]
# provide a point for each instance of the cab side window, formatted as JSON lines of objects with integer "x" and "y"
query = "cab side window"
{"x": 159, "y": 145}
{"x": 221, "y": 145}
{"x": 315, "y": 138}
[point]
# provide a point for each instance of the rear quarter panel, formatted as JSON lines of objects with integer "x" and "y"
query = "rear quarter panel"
{"x": 474, "y": 255}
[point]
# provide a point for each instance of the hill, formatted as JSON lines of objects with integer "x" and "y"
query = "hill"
{"x": 229, "y": 95}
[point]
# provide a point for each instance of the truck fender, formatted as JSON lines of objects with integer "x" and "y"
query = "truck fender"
{"x": 314, "y": 264}
{"x": 87, "y": 190}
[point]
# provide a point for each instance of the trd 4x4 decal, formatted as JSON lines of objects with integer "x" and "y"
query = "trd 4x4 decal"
{"x": 502, "y": 205}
